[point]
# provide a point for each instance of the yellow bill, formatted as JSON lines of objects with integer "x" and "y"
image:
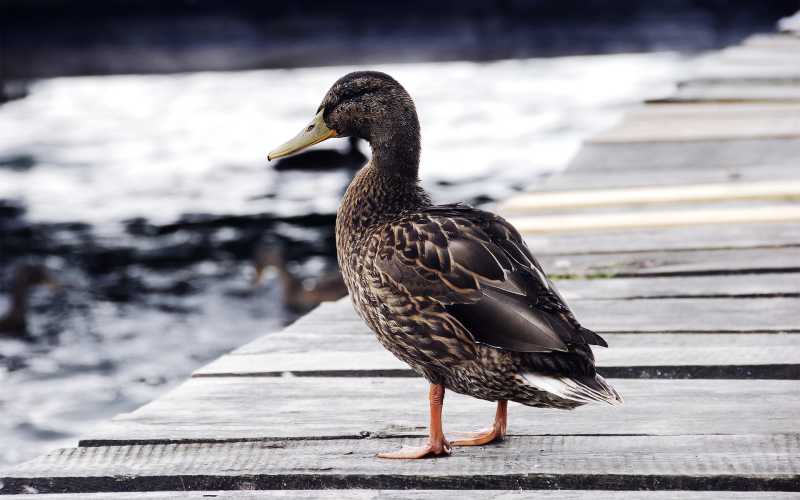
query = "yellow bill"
{"x": 314, "y": 133}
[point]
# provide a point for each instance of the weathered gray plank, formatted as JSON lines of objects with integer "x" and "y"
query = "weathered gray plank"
{"x": 770, "y": 40}
{"x": 704, "y": 315}
{"x": 634, "y": 218}
{"x": 677, "y": 355}
{"x": 642, "y": 174}
{"x": 362, "y": 494}
{"x": 644, "y": 315}
{"x": 721, "y": 263}
{"x": 732, "y": 91}
{"x": 711, "y": 237}
{"x": 357, "y": 338}
{"x": 762, "y": 462}
{"x": 753, "y": 54}
{"x": 236, "y": 408}
{"x": 722, "y": 286}
{"x": 680, "y": 155}
{"x": 696, "y": 196}
{"x": 704, "y": 122}
{"x": 713, "y": 68}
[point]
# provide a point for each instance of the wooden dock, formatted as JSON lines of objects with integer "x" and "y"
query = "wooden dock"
{"x": 675, "y": 234}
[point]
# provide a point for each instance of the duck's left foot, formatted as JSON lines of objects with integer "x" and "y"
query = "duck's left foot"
{"x": 437, "y": 445}
{"x": 430, "y": 450}
{"x": 496, "y": 433}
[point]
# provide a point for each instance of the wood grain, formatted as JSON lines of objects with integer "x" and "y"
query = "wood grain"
{"x": 689, "y": 193}
{"x": 687, "y": 155}
{"x": 712, "y": 237}
{"x": 642, "y": 175}
{"x": 721, "y": 462}
{"x": 362, "y": 494}
{"x": 732, "y": 91}
{"x": 675, "y": 351}
{"x": 705, "y": 122}
{"x": 211, "y": 409}
{"x": 639, "y": 219}
{"x": 724, "y": 265}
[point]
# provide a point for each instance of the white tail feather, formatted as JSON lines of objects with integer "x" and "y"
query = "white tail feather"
{"x": 573, "y": 389}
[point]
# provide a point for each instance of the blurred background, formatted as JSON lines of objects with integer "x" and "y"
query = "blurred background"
{"x": 142, "y": 232}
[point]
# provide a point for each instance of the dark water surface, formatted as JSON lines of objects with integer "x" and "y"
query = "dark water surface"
{"x": 146, "y": 194}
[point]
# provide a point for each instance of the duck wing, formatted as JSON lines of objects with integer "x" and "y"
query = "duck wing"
{"x": 477, "y": 266}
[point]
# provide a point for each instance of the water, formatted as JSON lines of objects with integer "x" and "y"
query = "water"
{"x": 103, "y": 151}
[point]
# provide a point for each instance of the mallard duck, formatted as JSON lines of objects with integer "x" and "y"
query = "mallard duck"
{"x": 452, "y": 291}
{"x": 296, "y": 296}
{"x": 352, "y": 159}
{"x": 26, "y": 276}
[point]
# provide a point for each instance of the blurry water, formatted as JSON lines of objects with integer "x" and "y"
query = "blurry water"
{"x": 102, "y": 150}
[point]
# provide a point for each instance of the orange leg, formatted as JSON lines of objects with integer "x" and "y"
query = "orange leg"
{"x": 437, "y": 444}
{"x": 496, "y": 433}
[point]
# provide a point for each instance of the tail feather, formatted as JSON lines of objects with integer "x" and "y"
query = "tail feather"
{"x": 581, "y": 390}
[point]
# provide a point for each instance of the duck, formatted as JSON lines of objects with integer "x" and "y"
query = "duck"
{"x": 25, "y": 277}
{"x": 296, "y": 296}
{"x": 325, "y": 159}
{"x": 451, "y": 290}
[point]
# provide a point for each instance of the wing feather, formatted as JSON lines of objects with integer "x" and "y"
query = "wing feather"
{"x": 477, "y": 266}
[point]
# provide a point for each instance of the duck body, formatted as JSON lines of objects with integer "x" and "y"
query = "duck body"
{"x": 431, "y": 282}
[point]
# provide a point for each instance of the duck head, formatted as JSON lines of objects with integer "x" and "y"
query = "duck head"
{"x": 368, "y": 105}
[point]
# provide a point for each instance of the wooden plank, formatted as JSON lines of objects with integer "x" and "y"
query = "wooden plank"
{"x": 773, "y": 41}
{"x": 689, "y": 315}
{"x": 732, "y": 91}
{"x": 711, "y": 315}
{"x": 568, "y": 199}
{"x": 694, "y": 112}
{"x": 361, "y": 340}
{"x": 383, "y": 494}
{"x": 667, "y": 239}
{"x": 642, "y": 175}
{"x": 654, "y": 288}
{"x": 710, "y": 122}
{"x": 687, "y": 155}
{"x": 639, "y": 219}
{"x": 722, "y": 263}
{"x": 654, "y": 194}
{"x": 643, "y": 355}
{"x": 640, "y": 360}
{"x": 711, "y": 69}
{"x": 760, "y": 462}
{"x": 213, "y": 409}
{"x": 645, "y": 209}
{"x": 753, "y": 54}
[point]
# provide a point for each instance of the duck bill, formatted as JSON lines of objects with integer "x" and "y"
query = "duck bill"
{"x": 314, "y": 133}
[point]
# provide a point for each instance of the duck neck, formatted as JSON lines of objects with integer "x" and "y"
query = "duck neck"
{"x": 396, "y": 148}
